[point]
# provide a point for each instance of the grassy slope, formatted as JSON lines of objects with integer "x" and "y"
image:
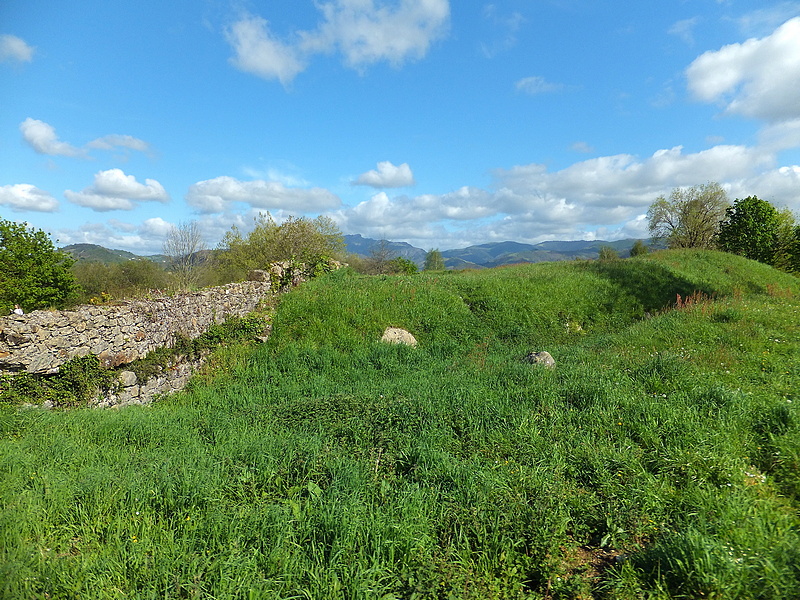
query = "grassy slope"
{"x": 326, "y": 465}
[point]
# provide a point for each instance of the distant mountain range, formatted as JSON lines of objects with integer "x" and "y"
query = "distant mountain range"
{"x": 95, "y": 253}
{"x": 482, "y": 256}
{"x": 494, "y": 254}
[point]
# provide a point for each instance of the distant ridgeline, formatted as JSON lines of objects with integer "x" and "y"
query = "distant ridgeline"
{"x": 482, "y": 256}
{"x": 496, "y": 254}
{"x": 42, "y": 341}
{"x": 95, "y": 253}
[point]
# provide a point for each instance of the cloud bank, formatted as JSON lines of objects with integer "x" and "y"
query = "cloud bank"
{"x": 600, "y": 198}
{"x": 219, "y": 194}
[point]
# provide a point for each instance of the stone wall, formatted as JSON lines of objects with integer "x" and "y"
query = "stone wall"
{"x": 172, "y": 378}
{"x": 41, "y": 341}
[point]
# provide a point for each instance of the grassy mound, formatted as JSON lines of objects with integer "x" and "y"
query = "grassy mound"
{"x": 659, "y": 459}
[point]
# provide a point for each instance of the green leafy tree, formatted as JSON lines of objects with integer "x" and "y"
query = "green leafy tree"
{"x": 750, "y": 229}
{"x": 402, "y": 266}
{"x": 434, "y": 261}
{"x": 311, "y": 241}
{"x": 787, "y": 244}
{"x": 33, "y": 273}
{"x": 690, "y": 217}
{"x": 607, "y": 253}
{"x": 639, "y": 248}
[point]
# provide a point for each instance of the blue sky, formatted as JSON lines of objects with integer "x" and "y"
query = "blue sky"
{"x": 439, "y": 123}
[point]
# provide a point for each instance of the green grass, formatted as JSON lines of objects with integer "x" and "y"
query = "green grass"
{"x": 660, "y": 459}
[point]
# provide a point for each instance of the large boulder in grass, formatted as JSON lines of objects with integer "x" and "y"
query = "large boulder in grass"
{"x": 541, "y": 358}
{"x": 395, "y": 335}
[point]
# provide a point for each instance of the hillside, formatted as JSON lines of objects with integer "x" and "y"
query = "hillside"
{"x": 473, "y": 257}
{"x": 659, "y": 459}
{"x": 95, "y": 253}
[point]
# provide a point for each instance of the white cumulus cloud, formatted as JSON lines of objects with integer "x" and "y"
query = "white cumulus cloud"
{"x": 114, "y": 190}
{"x": 42, "y": 138}
{"x": 216, "y": 195}
{"x": 364, "y": 32}
{"x": 757, "y": 78}
{"x": 260, "y": 53}
{"x": 14, "y": 49}
{"x": 387, "y": 175}
{"x": 24, "y": 196}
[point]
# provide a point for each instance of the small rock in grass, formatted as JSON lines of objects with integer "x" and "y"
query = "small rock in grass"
{"x": 395, "y": 335}
{"x": 541, "y": 358}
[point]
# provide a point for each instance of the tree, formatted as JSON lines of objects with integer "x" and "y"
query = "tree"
{"x": 787, "y": 245}
{"x": 138, "y": 276}
{"x": 750, "y": 229}
{"x": 690, "y": 217}
{"x": 434, "y": 261}
{"x": 607, "y": 253}
{"x": 402, "y": 266}
{"x": 311, "y": 241}
{"x": 378, "y": 261}
{"x": 130, "y": 278}
{"x": 639, "y": 248}
{"x": 183, "y": 246}
{"x": 33, "y": 273}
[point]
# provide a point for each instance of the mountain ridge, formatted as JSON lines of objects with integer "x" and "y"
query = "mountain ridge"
{"x": 477, "y": 256}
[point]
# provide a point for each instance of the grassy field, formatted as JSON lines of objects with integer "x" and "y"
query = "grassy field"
{"x": 659, "y": 459}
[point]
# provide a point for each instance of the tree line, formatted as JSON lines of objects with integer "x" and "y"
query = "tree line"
{"x": 35, "y": 275}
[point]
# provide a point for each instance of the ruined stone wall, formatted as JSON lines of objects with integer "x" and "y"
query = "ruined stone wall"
{"x": 41, "y": 341}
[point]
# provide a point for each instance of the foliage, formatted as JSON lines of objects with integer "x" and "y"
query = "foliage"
{"x": 79, "y": 380}
{"x": 434, "y": 261}
{"x": 639, "y": 248}
{"x": 750, "y": 229}
{"x": 787, "y": 246}
{"x": 690, "y": 217}
{"x": 607, "y": 253}
{"x": 402, "y": 266}
{"x": 33, "y": 273}
{"x": 233, "y": 329}
{"x": 183, "y": 246}
{"x": 309, "y": 241}
{"x": 325, "y": 464}
{"x": 76, "y": 382}
{"x": 131, "y": 278}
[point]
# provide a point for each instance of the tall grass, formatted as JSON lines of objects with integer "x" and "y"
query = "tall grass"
{"x": 659, "y": 459}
